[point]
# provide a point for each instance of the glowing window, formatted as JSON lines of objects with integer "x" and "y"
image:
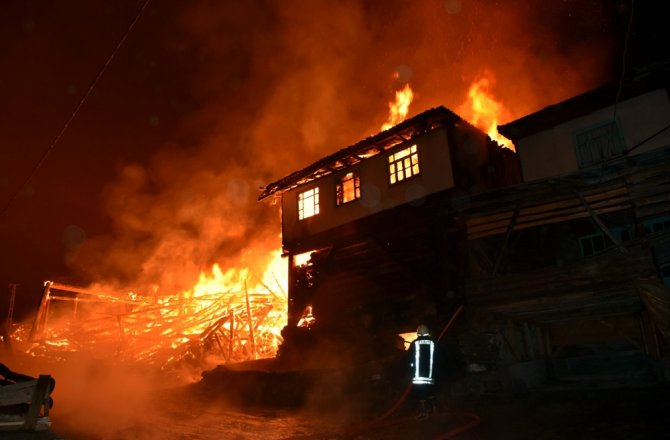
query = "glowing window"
{"x": 348, "y": 188}
{"x": 308, "y": 203}
{"x": 403, "y": 164}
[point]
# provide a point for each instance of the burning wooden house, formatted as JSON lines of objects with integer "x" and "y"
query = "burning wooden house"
{"x": 370, "y": 234}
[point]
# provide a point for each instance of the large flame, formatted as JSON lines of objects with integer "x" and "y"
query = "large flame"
{"x": 399, "y": 108}
{"x": 227, "y": 316}
{"x": 484, "y": 110}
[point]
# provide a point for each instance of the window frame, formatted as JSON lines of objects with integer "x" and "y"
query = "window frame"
{"x": 615, "y": 142}
{"x": 339, "y": 188}
{"x": 315, "y": 203}
{"x": 414, "y": 164}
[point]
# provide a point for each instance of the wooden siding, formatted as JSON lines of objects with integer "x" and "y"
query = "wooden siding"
{"x": 594, "y": 287}
{"x": 642, "y": 183}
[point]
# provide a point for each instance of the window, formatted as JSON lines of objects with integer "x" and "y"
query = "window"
{"x": 597, "y": 144}
{"x": 403, "y": 164}
{"x": 348, "y": 188}
{"x": 657, "y": 224}
{"x": 665, "y": 274}
{"x": 593, "y": 244}
{"x": 308, "y": 203}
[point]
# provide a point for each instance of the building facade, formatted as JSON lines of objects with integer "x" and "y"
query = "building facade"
{"x": 369, "y": 231}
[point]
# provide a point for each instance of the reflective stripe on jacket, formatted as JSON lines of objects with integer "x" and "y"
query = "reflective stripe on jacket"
{"x": 423, "y": 357}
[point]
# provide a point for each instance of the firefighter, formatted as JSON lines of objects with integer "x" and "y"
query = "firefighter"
{"x": 422, "y": 362}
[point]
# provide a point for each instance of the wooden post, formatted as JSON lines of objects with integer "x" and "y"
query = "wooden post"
{"x": 218, "y": 343}
{"x": 600, "y": 223}
{"x": 10, "y": 310}
{"x": 510, "y": 228}
{"x": 251, "y": 327}
{"x": 40, "y": 319}
{"x": 232, "y": 335}
{"x": 281, "y": 289}
{"x": 39, "y": 399}
{"x": 122, "y": 333}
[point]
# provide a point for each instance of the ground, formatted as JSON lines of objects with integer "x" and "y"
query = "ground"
{"x": 288, "y": 406}
{"x": 597, "y": 414}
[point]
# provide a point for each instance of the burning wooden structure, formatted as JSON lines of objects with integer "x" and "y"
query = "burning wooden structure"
{"x": 223, "y": 327}
{"x": 561, "y": 274}
{"x": 371, "y": 238}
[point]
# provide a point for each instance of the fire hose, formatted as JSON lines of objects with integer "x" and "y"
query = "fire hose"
{"x": 473, "y": 419}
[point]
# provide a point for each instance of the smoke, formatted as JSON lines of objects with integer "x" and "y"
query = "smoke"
{"x": 92, "y": 398}
{"x": 280, "y": 84}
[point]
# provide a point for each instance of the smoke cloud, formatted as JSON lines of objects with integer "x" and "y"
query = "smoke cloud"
{"x": 282, "y": 83}
{"x": 279, "y": 84}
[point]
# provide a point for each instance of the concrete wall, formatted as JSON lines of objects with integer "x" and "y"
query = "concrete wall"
{"x": 552, "y": 152}
{"x": 377, "y": 193}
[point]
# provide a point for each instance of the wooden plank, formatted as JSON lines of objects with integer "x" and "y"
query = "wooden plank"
{"x": 38, "y": 400}
{"x": 648, "y": 200}
{"x": 17, "y": 393}
{"x": 649, "y": 192}
{"x": 599, "y": 222}
{"x": 564, "y": 201}
{"x": 616, "y": 272}
{"x": 35, "y": 393}
{"x": 251, "y": 328}
{"x": 643, "y": 175}
{"x": 38, "y": 324}
{"x": 510, "y": 228}
{"x": 661, "y": 180}
{"x": 652, "y": 209}
{"x": 551, "y": 220}
{"x": 574, "y": 205}
{"x": 549, "y": 217}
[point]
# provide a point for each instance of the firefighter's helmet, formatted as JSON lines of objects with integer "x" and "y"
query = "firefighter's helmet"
{"x": 422, "y": 330}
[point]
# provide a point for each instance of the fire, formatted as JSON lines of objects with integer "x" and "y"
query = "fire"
{"x": 227, "y": 316}
{"x": 485, "y": 111}
{"x": 400, "y": 107}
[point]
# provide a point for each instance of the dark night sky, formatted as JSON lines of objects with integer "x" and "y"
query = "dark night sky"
{"x": 156, "y": 178}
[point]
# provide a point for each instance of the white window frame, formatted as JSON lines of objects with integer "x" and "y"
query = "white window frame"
{"x": 403, "y": 164}
{"x": 308, "y": 203}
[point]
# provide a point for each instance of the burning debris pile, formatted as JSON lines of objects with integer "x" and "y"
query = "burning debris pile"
{"x": 222, "y": 319}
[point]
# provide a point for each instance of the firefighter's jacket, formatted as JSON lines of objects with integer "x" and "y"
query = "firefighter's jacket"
{"x": 422, "y": 361}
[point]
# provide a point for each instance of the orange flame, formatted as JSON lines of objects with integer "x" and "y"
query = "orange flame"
{"x": 225, "y": 317}
{"x": 400, "y": 107}
{"x": 485, "y": 110}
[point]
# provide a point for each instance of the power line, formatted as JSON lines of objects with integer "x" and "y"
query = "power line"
{"x": 75, "y": 111}
{"x": 623, "y": 66}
